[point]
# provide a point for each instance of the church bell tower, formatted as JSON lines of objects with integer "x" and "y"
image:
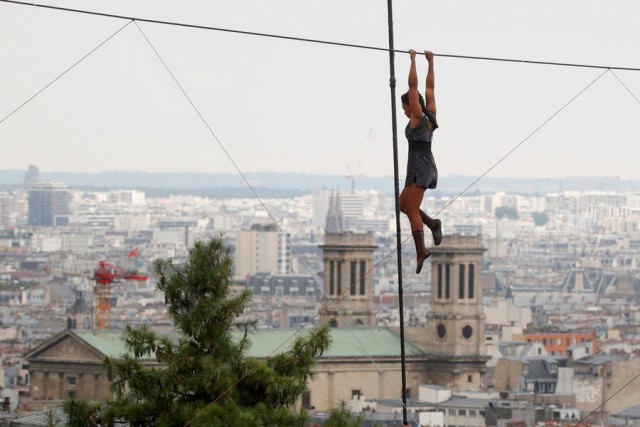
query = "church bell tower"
{"x": 456, "y": 322}
{"x": 347, "y": 259}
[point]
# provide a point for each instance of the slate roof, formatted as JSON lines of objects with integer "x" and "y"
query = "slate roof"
{"x": 631, "y": 413}
{"x": 600, "y": 359}
{"x": 40, "y": 418}
{"x": 597, "y": 281}
{"x": 464, "y": 402}
{"x": 539, "y": 367}
{"x": 454, "y": 402}
{"x": 286, "y": 281}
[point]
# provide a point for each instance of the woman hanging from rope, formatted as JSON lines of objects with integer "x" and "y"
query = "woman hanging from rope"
{"x": 421, "y": 167}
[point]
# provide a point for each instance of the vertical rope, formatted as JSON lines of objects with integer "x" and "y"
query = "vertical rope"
{"x": 394, "y": 126}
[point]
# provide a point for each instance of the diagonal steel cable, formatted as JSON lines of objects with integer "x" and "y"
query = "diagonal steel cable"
{"x": 608, "y": 399}
{"x": 565, "y": 105}
{"x": 64, "y": 72}
{"x": 331, "y": 302}
{"x": 625, "y": 86}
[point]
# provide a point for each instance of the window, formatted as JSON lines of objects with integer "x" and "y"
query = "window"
{"x": 306, "y": 400}
{"x": 352, "y": 282}
{"x": 473, "y": 413}
{"x": 552, "y": 341}
{"x": 439, "y": 281}
{"x": 447, "y": 281}
{"x": 363, "y": 277}
{"x": 472, "y": 275}
{"x": 462, "y": 412}
{"x": 469, "y": 379}
{"x": 331, "y": 278}
{"x": 461, "y": 281}
{"x": 71, "y": 380}
{"x": 355, "y": 394}
{"x": 544, "y": 341}
{"x": 340, "y": 277}
{"x": 451, "y": 412}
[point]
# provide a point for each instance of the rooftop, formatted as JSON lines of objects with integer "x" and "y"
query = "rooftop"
{"x": 358, "y": 342}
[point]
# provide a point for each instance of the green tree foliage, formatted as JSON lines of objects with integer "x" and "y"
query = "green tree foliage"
{"x": 204, "y": 377}
{"x": 80, "y": 413}
{"x": 506, "y": 212}
{"x": 540, "y": 218}
{"x": 343, "y": 417}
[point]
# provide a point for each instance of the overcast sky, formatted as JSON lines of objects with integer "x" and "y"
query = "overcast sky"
{"x": 287, "y": 106}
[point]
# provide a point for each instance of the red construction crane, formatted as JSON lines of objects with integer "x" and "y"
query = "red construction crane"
{"x": 104, "y": 276}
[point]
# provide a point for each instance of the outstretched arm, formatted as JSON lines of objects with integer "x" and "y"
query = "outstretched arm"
{"x": 430, "y": 98}
{"x": 414, "y": 97}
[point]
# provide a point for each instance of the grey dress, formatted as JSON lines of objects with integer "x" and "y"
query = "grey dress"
{"x": 421, "y": 166}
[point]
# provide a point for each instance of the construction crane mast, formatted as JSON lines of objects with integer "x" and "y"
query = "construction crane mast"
{"x": 105, "y": 275}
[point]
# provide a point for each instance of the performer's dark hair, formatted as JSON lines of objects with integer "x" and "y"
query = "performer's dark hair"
{"x": 405, "y": 100}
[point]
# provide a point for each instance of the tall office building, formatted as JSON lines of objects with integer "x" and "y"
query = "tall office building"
{"x": 262, "y": 249}
{"x": 49, "y": 203}
{"x": 5, "y": 209}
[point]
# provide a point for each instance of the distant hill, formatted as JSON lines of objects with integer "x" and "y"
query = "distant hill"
{"x": 276, "y": 184}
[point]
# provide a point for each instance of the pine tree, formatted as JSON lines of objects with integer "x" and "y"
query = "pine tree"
{"x": 204, "y": 378}
{"x": 343, "y": 417}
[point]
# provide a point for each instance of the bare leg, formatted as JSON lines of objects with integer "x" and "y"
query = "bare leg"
{"x": 410, "y": 201}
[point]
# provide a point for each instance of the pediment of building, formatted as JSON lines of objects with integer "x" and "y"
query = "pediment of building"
{"x": 65, "y": 347}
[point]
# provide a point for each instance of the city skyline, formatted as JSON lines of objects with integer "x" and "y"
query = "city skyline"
{"x": 555, "y": 289}
{"x": 301, "y": 107}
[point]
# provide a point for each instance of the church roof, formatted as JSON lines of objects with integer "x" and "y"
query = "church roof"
{"x": 110, "y": 344}
{"x": 378, "y": 342}
{"x": 345, "y": 343}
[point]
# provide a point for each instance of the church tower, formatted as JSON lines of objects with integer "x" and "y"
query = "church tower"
{"x": 347, "y": 259}
{"x": 334, "y": 222}
{"x": 80, "y": 316}
{"x": 456, "y": 322}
